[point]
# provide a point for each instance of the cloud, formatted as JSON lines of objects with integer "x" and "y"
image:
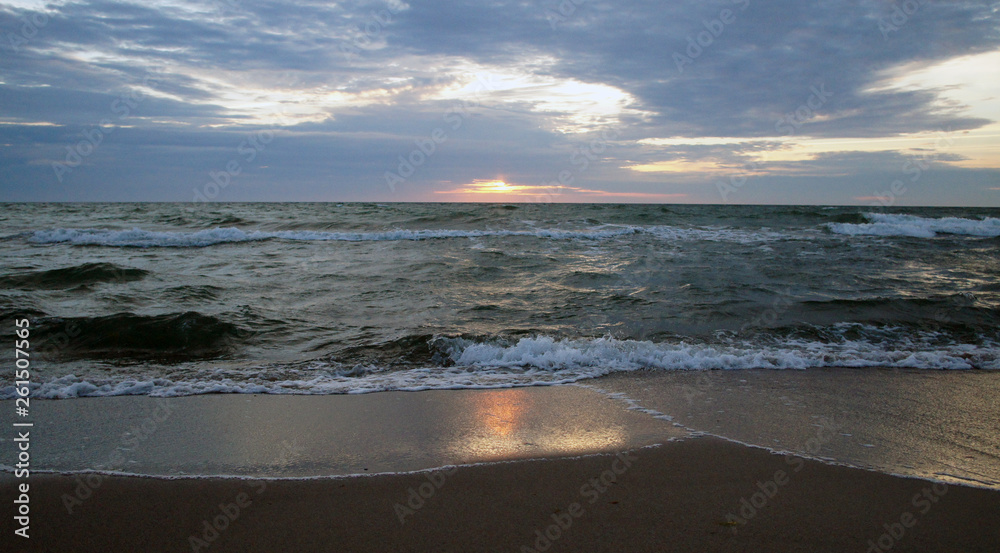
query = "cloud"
{"x": 347, "y": 89}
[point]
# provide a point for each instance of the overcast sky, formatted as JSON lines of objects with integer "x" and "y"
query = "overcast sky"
{"x": 728, "y": 101}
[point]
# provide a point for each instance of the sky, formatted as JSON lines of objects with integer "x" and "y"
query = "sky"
{"x": 850, "y": 102}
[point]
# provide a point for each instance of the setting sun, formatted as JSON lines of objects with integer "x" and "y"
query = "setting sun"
{"x": 495, "y": 186}
{"x": 480, "y": 187}
{"x": 480, "y": 190}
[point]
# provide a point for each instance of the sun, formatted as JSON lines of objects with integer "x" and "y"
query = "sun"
{"x": 494, "y": 186}
{"x": 499, "y": 191}
{"x": 485, "y": 186}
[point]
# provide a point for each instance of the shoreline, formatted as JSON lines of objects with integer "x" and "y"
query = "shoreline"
{"x": 7, "y": 472}
{"x": 300, "y": 436}
{"x": 930, "y": 425}
{"x": 933, "y": 425}
{"x": 621, "y": 464}
{"x": 691, "y": 495}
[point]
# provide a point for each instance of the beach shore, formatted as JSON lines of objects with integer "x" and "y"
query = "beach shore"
{"x": 929, "y": 424}
{"x": 701, "y": 494}
{"x": 617, "y": 465}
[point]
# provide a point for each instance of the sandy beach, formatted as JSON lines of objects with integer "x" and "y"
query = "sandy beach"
{"x": 701, "y": 494}
{"x": 563, "y": 468}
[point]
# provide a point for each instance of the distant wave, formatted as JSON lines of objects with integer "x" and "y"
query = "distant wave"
{"x": 148, "y": 239}
{"x": 886, "y": 224}
{"x": 542, "y": 360}
{"x": 140, "y": 238}
{"x": 86, "y": 273}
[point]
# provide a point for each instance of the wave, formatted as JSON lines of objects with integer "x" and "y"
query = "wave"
{"x": 87, "y": 273}
{"x": 140, "y": 238}
{"x": 887, "y": 224}
{"x": 547, "y": 353}
{"x": 854, "y": 218}
{"x": 718, "y": 234}
{"x": 168, "y": 337}
{"x": 147, "y": 239}
{"x": 462, "y": 363}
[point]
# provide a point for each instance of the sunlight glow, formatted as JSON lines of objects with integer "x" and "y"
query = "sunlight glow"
{"x": 979, "y": 146}
{"x": 500, "y": 191}
{"x": 572, "y": 106}
{"x": 675, "y": 166}
{"x": 497, "y": 187}
{"x": 504, "y": 429}
{"x": 501, "y": 411}
{"x": 968, "y": 85}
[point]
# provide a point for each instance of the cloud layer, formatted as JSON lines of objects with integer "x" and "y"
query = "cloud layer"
{"x": 235, "y": 100}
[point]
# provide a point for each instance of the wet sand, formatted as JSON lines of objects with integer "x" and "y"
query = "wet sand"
{"x": 931, "y": 424}
{"x": 700, "y": 494}
{"x": 562, "y": 468}
{"x": 283, "y": 436}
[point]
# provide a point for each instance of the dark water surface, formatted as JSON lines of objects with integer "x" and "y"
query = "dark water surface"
{"x": 179, "y": 299}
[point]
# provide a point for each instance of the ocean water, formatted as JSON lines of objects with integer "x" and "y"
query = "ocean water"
{"x": 182, "y": 299}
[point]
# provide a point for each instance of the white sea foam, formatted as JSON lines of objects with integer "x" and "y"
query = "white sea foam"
{"x": 719, "y": 234}
{"x": 887, "y": 224}
{"x": 543, "y": 361}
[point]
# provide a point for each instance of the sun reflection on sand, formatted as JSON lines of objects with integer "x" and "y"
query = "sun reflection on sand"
{"x": 511, "y": 423}
{"x": 501, "y": 411}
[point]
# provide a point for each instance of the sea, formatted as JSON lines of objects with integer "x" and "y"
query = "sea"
{"x": 178, "y": 299}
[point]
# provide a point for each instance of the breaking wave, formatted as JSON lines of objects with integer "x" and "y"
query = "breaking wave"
{"x": 885, "y": 224}
{"x": 457, "y": 363}
{"x": 139, "y": 238}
